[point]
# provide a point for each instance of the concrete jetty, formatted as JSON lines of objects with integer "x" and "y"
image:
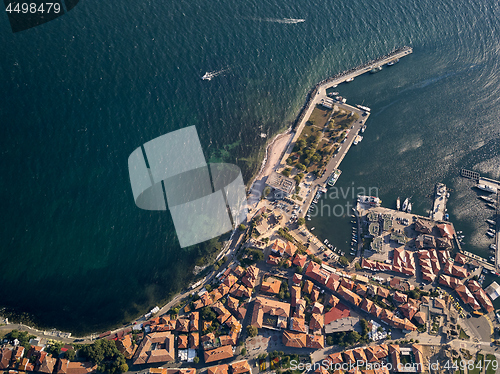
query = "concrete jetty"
{"x": 318, "y": 93}
{"x": 440, "y": 200}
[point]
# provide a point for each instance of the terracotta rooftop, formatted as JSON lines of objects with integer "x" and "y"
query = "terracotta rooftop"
{"x": 221, "y": 353}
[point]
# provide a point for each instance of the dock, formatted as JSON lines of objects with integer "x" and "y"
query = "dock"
{"x": 318, "y": 94}
{"x": 470, "y": 174}
{"x": 440, "y": 200}
{"x": 495, "y": 185}
{"x": 489, "y": 182}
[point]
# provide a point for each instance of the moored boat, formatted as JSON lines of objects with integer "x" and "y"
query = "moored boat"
{"x": 485, "y": 187}
{"x": 405, "y": 205}
{"x": 390, "y": 63}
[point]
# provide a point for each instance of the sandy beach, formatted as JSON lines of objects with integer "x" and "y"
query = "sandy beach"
{"x": 274, "y": 152}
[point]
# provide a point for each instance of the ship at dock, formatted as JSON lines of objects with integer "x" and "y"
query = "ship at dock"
{"x": 398, "y": 203}
{"x": 334, "y": 177}
{"x": 372, "y": 200}
{"x": 486, "y": 188}
{"x": 487, "y": 199}
{"x": 365, "y": 108}
{"x": 390, "y": 63}
{"x": 357, "y": 139}
{"x": 375, "y": 69}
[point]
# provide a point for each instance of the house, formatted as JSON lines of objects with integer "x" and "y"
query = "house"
{"x": 424, "y": 226}
{"x": 419, "y": 357}
{"x": 317, "y": 323}
{"x": 240, "y": 367}
{"x": 467, "y": 297}
{"x": 5, "y": 358}
{"x": 299, "y": 260}
{"x": 317, "y": 273}
{"x": 154, "y": 348}
{"x": 81, "y": 368}
{"x": 400, "y": 297}
{"x": 271, "y": 285}
{"x": 219, "y": 369}
{"x": 250, "y": 278}
{"x": 194, "y": 340}
{"x": 308, "y": 287}
{"x": 126, "y": 346}
{"x": 220, "y": 353}
{"x": 315, "y": 341}
{"x": 297, "y": 278}
{"x": 278, "y": 311}
{"x": 349, "y": 295}
{"x": 317, "y": 308}
{"x": 182, "y": 342}
{"x": 298, "y": 324}
{"x": 294, "y": 339}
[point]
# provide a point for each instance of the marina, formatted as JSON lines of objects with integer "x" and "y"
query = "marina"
{"x": 492, "y": 200}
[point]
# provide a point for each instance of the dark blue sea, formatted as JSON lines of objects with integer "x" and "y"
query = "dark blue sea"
{"x": 80, "y": 93}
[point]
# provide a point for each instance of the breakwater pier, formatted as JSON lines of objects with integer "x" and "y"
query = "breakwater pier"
{"x": 318, "y": 94}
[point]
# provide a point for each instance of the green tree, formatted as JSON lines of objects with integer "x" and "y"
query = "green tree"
{"x": 300, "y": 166}
{"x": 286, "y": 172}
{"x": 357, "y": 266}
{"x": 70, "y": 354}
{"x": 196, "y": 360}
{"x": 343, "y": 261}
{"x": 301, "y": 221}
{"x": 252, "y": 331}
{"x": 243, "y": 351}
{"x": 267, "y": 191}
{"x": 242, "y": 227}
{"x": 123, "y": 368}
{"x": 208, "y": 314}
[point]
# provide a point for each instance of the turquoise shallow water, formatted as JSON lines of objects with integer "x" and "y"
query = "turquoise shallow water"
{"x": 80, "y": 93}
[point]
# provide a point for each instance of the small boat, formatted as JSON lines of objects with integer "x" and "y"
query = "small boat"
{"x": 376, "y": 69}
{"x": 487, "y": 199}
{"x": 350, "y": 79}
{"x": 493, "y": 247}
{"x": 446, "y": 217}
{"x": 365, "y": 108}
{"x": 491, "y": 206}
{"x": 408, "y": 209}
{"x": 390, "y": 63}
{"x": 405, "y": 205}
{"x": 490, "y": 234}
{"x": 353, "y": 254}
{"x": 325, "y": 241}
{"x": 491, "y": 222}
{"x": 398, "y": 203}
{"x": 312, "y": 228}
{"x": 459, "y": 232}
{"x": 207, "y": 76}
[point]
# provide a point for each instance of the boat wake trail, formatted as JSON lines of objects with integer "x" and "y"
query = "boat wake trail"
{"x": 212, "y": 74}
{"x": 279, "y": 20}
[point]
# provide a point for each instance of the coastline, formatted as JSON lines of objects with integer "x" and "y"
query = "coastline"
{"x": 274, "y": 153}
